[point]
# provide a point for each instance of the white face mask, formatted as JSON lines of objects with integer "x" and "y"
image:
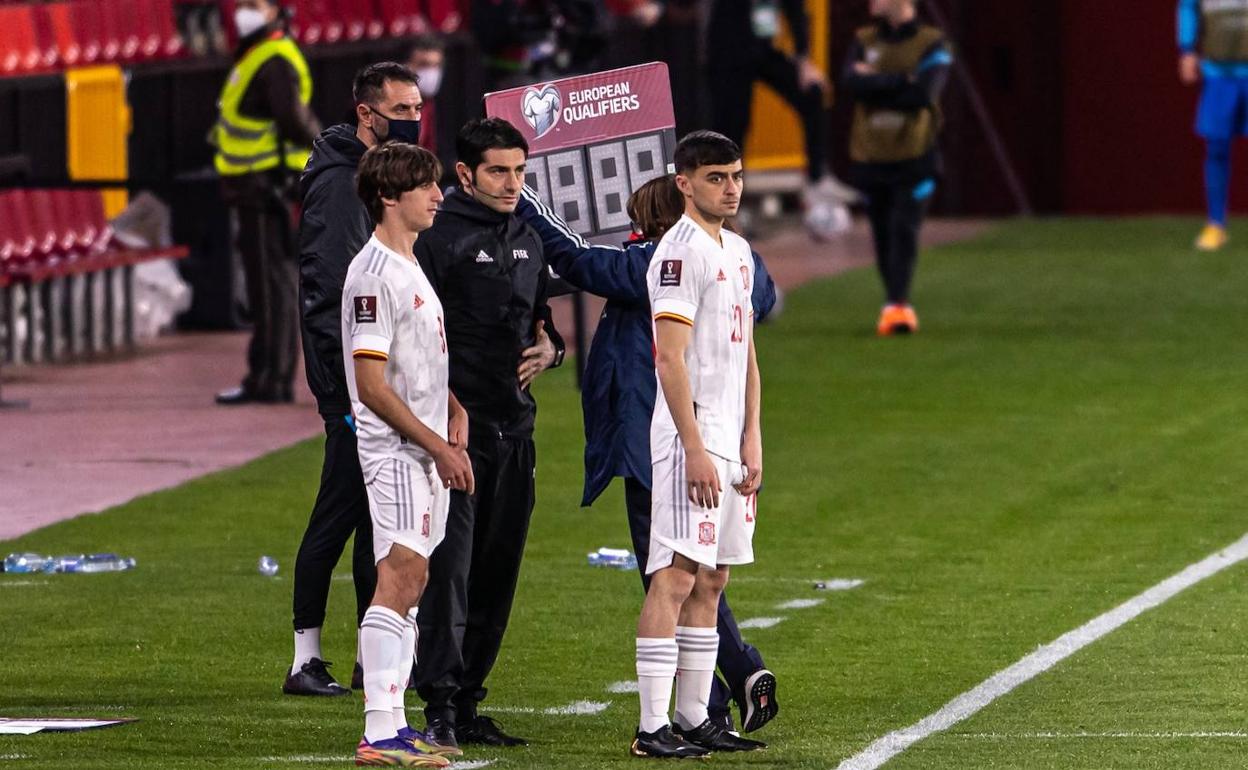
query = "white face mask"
{"x": 248, "y": 20}
{"x": 430, "y": 80}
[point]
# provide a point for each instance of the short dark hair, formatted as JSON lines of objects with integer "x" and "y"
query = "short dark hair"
{"x": 705, "y": 148}
{"x": 388, "y": 170}
{"x": 481, "y": 134}
{"x": 425, "y": 42}
{"x": 370, "y": 82}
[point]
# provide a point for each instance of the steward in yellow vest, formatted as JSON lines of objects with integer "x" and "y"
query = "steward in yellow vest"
{"x": 262, "y": 138}
{"x": 895, "y": 71}
{"x": 264, "y": 121}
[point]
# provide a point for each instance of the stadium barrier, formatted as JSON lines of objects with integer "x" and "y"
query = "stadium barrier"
{"x": 66, "y": 280}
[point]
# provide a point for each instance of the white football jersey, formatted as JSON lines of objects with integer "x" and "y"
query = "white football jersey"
{"x": 391, "y": 313}
{"x": 694, "y": 280}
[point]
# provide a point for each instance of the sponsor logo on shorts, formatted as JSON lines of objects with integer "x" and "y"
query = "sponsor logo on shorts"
{"x": 706, "y": 533}
{"x": 483, "y": 257}
{"x": 366, "y": 310}
{"x": 669, "y": 273}
{"x": 519, "y": 254}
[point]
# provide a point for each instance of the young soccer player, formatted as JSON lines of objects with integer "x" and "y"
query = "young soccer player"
{"x": 411, "y": 434}
{"x": 706, "y": 449}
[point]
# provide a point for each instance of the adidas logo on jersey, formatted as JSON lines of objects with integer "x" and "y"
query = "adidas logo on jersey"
{"x": 722, "y": 277}
{"x": 483, "y": 257}
{"x": 419, "y": 303}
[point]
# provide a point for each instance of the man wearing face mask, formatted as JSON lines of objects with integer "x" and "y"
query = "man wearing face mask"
{"x": 262, "y": 137}
{"x": 489, "y": 270}
{"x": 333, "y": 227}
{"x": 426, "y": 55}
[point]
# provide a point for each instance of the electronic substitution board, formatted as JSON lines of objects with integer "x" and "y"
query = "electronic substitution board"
{"x": 593, "y": 140}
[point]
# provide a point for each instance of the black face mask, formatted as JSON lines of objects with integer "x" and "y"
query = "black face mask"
{"x": 399, "y": 130}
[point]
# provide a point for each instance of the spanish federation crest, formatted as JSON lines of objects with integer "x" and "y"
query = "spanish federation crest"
{"x": 541, "y": 106}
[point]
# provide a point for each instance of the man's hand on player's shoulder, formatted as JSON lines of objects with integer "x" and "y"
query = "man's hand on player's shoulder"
{"x": 704, "y": 484}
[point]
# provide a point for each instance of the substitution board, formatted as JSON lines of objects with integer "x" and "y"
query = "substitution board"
{"x": 593, "y": 140}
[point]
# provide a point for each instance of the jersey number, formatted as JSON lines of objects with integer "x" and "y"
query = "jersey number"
{"x": 738, "y": 324}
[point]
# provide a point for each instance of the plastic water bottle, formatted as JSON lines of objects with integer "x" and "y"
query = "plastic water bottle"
{"x": 68, "y": 563}
{"x": 104, "y": 562}
{"x": 614, "y": 558}
{"x": 268, "y": 566}
{"x": 25, "y": 562}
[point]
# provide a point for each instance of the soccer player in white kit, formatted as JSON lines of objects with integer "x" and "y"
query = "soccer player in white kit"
{"x": 706, "y": 449}
{"x": 411, "y": 434}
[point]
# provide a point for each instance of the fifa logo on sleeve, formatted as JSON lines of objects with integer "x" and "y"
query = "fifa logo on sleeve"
{"x": 366, "y": 310}
{"x": 669, "y": 272}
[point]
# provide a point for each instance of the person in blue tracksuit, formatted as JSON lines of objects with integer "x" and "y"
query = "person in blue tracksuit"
{"x": 1213, "y": 47}
{"x": 618, "y": 394}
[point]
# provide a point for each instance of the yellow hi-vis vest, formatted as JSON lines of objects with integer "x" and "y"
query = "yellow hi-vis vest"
{"x": 249, "y": 145}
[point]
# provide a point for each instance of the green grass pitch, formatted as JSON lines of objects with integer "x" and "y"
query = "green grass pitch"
{"x": 1068, "y": 429}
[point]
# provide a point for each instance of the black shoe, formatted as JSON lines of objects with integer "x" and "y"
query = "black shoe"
{"x": 758, "y": 706}
{"x": 313, "y": 679}
{"x": 484, "y": 730}
{"x": 665, "y": 744}
{"x": 724, "y": 720}
{"x": 714, "y": 737}
{"x": 441, "y": 732}
{"x": 357, "y": 677}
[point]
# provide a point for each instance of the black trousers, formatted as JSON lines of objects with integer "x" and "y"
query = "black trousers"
{"x": 896, "y": 216}
{"x": 341, "y": 508}
{"x": 732, "y": 96}
{"x": 472, "y": 578}
{"x": 736, "y": 659}
{"x": 266, "y": 242}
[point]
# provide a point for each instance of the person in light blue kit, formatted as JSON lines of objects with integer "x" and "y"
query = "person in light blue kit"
{"x": 618, "y": 395}
{"x": 1213, "y": 47}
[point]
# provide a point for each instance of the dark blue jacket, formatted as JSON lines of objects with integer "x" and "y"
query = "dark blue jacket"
{"x": 619, "y": 386}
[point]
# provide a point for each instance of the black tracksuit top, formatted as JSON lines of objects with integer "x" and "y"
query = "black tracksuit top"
{"x": 490, "y": 273}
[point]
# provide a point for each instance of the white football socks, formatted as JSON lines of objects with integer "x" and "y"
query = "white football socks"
{"x": 407, "y": 659}
{"x": 307, "y": 647}
{"x": 656, "y": 666}
{"x": 695, "y": 670}
{"x": 381, "y": 642}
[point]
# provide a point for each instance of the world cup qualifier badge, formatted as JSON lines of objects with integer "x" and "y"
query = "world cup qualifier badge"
{"x": 669, "y": 273}
{"x": 366, "y": 310}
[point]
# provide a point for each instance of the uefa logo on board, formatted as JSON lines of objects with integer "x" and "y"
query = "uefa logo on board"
{"x": 540, "y": 106}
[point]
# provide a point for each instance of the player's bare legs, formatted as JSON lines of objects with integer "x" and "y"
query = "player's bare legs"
{"x": 384, "y": 637}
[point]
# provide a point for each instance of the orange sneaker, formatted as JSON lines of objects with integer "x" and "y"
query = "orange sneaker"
{"x": 897, "y": 319}
{"x": 1212, "y": 238}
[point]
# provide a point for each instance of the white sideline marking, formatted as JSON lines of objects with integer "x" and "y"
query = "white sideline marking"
{"x": 1063, "y": 736}
{"x": 830, "y": 584}
{"x": 18, "y": 583}
{"x": 578, "y": 708}
{"x": 1044, "y": 658}
{"x": 799, "y": 604}
{"x": 760, "y": 622}
{"x": 14, "y": 756}
{"x": 840, "y": 584}
{"x": 619, "y": 688}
